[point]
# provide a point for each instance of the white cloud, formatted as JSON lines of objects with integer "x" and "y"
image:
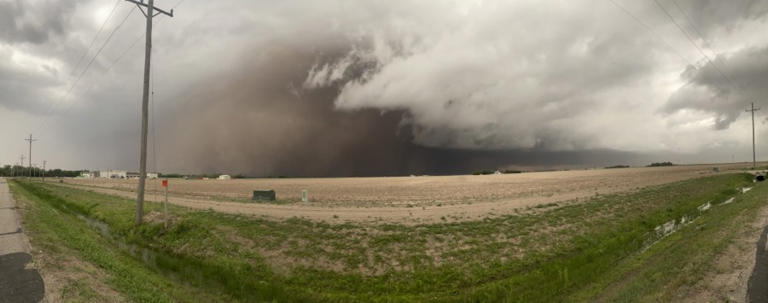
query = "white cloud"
{"x": 527, "y": 74}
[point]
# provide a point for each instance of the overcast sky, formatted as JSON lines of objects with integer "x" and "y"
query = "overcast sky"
{"x": 309, "y": 87}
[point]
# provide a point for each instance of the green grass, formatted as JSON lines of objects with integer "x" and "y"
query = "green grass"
{"x": 53, "y": 225}
{"x": 555, "y": 253}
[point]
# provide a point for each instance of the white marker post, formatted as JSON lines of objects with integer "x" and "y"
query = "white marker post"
{"x": 165, "y": 205}
{"x": 304, "y": 195}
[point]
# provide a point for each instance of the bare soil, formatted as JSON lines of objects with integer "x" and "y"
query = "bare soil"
{"x": 409, "y": 200}
{"x": 728, "y": 282}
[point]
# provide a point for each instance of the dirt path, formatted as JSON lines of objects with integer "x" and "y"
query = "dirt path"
{"x": 734, "y": 277}
{"x": 18, "y": 282}
{"x": 410, "y": 200}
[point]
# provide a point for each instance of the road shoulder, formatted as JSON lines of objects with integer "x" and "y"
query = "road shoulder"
{"x": 19, "y": 280}
{"x": 728, "y": 281}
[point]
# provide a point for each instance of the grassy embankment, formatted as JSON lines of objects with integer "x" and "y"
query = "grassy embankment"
{"x": 556, "y": 253}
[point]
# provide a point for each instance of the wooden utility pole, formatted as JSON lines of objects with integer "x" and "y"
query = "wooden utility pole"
{"x": 21, "y": 166}
{"x": 753, "y": 110}
{"x": 149, "y": 14}
{"x": 30, "y": 154}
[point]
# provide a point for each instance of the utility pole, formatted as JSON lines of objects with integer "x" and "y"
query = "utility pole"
{"x": 21, "y": 166}
{"x": 44, "y": 162}
{"x": 30, "y": 154}
{"x": 149, "y": 14}
{"x": 753, "y": 110}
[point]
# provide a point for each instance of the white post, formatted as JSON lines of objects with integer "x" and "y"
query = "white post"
{"x": 304, "y": 195}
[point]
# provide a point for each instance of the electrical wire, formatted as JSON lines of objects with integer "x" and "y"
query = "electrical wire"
{"x": 690, "y": 39}
{"x": 138, "y": 38}
{"x": 44, "y": 125}
{"x": 690, "y": 20}
{"x": 652, "y": 31}
{"x": 87, "y": 67}
{"x": 95, "y": 37}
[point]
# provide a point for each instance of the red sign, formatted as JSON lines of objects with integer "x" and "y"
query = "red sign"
{"x": 165, "y": 183}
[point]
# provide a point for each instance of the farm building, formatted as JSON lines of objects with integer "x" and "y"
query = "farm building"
{"x": 109, "y": 174}
{"x": 112, "y": 174}
{"x": 135, "y": 175}
{"x": 225, "y": 177}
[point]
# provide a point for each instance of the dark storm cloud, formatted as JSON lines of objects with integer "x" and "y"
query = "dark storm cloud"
{"x": 265, "y": 124}
{"x": 262, "y": 123}
{"x": 708, "y": 16}
{"x": 22, "y": 89}
{"x": 724, "y": 87}
{"x": 33, "y": 21}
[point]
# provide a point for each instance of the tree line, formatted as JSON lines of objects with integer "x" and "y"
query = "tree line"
{"x": 18, "y": 170}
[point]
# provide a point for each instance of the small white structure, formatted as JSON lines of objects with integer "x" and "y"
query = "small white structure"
{"x": 225, "y": 177}
{"x": 135, "y": 175}
{"x": 112, "y": 174}
{"x": 87, "y": 175}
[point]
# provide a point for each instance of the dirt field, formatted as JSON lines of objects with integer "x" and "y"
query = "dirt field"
{"x": 408, "y": 200}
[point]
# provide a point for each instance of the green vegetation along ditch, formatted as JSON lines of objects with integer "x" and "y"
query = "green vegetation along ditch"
{"x": 575, "y": 252}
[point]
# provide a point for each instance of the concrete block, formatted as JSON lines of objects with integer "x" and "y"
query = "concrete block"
{"x": 264, "y": 195}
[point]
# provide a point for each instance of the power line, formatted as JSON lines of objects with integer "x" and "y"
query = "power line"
{"x": 87, "y": 67}
{"x": 123, "y": 54}
{"x": 652, "y": 31}
{"x": 690, "y": 39}
{"x": 693, "y": 26}
{"x": 135, "y": 41}
{"x": 690, "y": 20}
{"x": 710, "y": 61}
{"x": 88, "y": 50}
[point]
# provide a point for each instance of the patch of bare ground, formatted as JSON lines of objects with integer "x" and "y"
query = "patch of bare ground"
{"x": 68, "y": 279}
{"x": 407, "y": 200}
{"x": 281, "y": 258}
{"x": 728, "y": 280}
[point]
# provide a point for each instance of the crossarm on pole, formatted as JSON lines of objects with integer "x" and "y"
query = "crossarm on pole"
{"x": 154, "y": 8}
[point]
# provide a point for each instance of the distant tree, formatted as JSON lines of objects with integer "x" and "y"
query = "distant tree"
{"x": 655, "y": 164}
{"x": 512, "y": 171}
{"x": 618, "y": 166}
{"x": 18, "y": 170}
{"x": 173, "y": 175}
{"x": 483, "y": 172}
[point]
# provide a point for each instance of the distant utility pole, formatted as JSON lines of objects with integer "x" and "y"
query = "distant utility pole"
{"x": 21, "y": 166}
{"x": 753, "y": 110}
{"x": 44, "y": 162}
{"x": 30, "y": 153}
{"x": 149, "y": 14}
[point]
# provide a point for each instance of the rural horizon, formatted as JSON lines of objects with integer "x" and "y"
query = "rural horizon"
{"x": 383, "y": 151}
